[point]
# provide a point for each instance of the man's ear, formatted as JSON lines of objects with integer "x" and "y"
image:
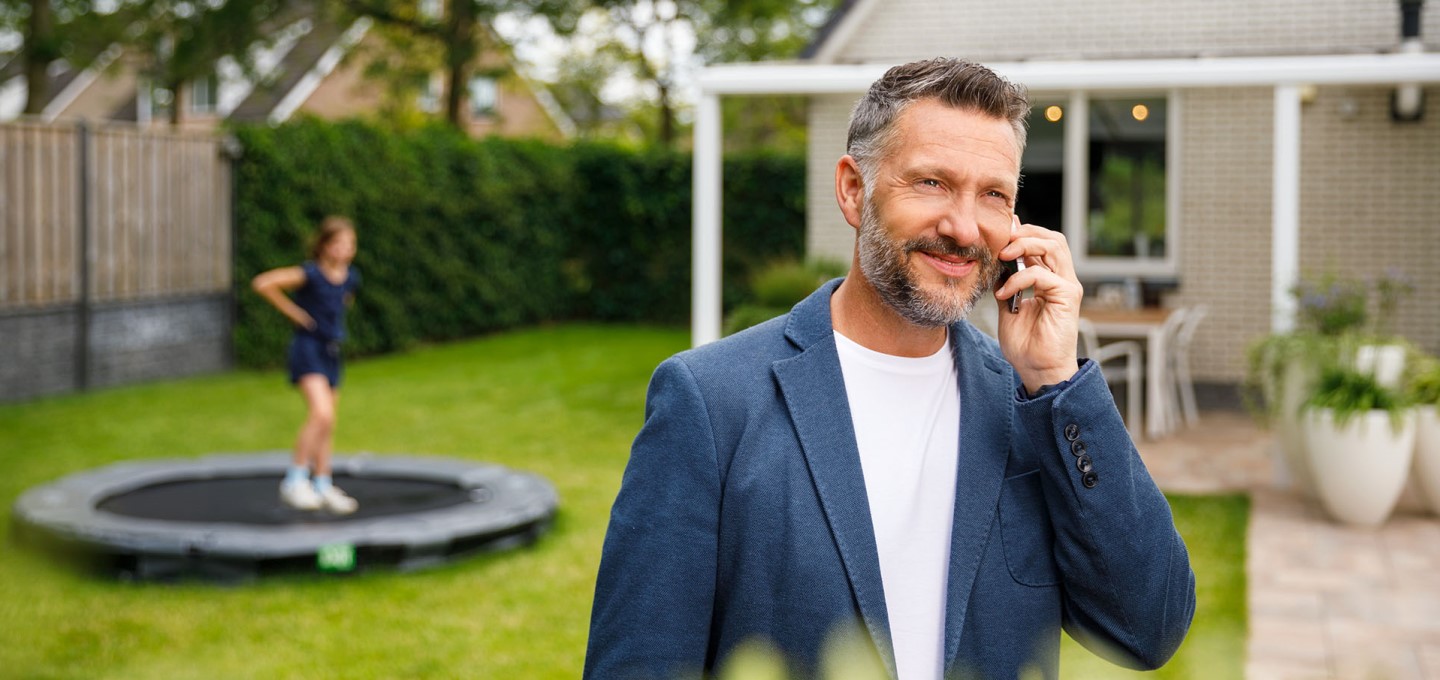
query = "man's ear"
{"x": 850, "y": 189}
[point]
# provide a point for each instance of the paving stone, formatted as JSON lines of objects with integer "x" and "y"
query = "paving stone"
{"x": 1326, "y": 600}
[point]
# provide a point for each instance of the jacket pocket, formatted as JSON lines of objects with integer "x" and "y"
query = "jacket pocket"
{"x": 1025, "y": 531}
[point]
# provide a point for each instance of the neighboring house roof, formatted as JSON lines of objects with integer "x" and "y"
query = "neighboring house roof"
{"x": 65, "y": 81}
{"x": 306, "y": 55}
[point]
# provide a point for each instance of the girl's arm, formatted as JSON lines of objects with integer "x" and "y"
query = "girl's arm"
{"x": 272, "y": 286}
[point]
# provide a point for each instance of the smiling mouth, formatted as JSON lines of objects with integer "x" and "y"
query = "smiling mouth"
{"x": 949, "y": 264}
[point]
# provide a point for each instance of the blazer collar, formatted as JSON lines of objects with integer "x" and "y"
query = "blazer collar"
{"x": 822, "y": 418}
{"x": 809, "y": 321}
{"x": 812, "y": 386}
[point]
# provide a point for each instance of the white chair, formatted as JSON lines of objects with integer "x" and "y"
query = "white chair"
{"x": 1179, "y": 357}
{"x": 1130, "y": 374}
{"x": 1168, "y": 410}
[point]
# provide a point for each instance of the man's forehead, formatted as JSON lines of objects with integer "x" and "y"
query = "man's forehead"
{"x": 934, "y": 133}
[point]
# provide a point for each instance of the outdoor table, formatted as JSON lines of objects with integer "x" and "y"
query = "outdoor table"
{"x": 1148, "y": 325}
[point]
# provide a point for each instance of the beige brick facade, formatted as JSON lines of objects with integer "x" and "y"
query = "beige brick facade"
{"x": 903, "y": 30}
{"x": 826, "y": 233}
{"x": 1370, "y": 197}
{"x": 1225, "y": 203}
{"x": 1370, "y": 187}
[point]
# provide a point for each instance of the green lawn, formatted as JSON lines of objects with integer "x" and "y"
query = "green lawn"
{"x": 563, "y": 402}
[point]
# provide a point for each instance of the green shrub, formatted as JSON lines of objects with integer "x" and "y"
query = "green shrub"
{"x": 1424, "y": 386}
{"x": 459, "y": 237}
{"x": 776, "y": 288}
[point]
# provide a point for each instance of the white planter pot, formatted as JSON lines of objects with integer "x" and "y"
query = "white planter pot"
{"x": 1359, "y": 468}
{"x": 1385, "y": 362}
{"x": 1427, "y": 455}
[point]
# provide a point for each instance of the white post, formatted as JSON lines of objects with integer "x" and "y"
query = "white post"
{"x": 705, "y": 215}
{"x": 1075, "y": 197}
{"x": 1285, "y": 210}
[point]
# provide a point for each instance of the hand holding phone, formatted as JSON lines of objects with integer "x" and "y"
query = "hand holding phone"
{"x": 1009, "y": 268}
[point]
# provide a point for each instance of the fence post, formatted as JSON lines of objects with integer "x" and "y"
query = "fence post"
{"x": 232, "y": 151}
{"x": 82, "y": 324}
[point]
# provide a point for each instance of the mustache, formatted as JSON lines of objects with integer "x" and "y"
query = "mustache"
{"x": 944, "y": 246}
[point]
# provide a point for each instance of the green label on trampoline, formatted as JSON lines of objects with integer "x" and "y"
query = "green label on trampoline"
{"x": 335, "y": 557}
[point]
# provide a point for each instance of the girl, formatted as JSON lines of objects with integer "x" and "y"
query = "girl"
{"x": 323, "y": 287}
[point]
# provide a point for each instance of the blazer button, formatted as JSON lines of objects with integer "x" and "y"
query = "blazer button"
{"x": 1084, "y": 464}
{"x": 1090, "y": 479}
{"x": 1077, "y": 447}
{"x": 1072, "y": 432}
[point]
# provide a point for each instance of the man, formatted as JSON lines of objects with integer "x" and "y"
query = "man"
{"x": 870, "y": 461}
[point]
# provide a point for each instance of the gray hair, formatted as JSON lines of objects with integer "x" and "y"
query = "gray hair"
{"x": 954, "y": 82}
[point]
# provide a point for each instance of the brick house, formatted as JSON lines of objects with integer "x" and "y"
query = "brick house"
{"x": 313, "y": 66}
{"x": 1211, "y": 151}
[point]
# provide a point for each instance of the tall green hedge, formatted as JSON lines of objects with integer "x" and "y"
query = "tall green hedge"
{"x": 460, "y": 236}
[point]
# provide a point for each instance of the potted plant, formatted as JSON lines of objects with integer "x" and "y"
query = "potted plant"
{"x": 1360, "y": 439}
{"x": 1337, "y": 320}
{"x": 1283, "y": 367}
{"x": 1424, "y": 392}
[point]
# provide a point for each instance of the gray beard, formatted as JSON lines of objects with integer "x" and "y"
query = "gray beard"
{"x": 885, "y": 265}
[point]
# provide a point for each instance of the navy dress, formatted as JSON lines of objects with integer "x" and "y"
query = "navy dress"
{"x": 317, "y": 350}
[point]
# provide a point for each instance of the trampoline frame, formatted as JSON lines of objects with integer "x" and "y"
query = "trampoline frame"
{"x": 511, "y": 508}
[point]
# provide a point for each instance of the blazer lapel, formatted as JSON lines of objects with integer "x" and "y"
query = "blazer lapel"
{"x": 814, "y": 393}
{"x": 986, "y": 409}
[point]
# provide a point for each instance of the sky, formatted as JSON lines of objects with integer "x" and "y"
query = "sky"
{"x": 540, "y": 49}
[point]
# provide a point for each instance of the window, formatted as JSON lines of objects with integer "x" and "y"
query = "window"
{"x": 204, "y": 94}
{"x": 484, "y": 96}
{"x": 156, "y": 103}
{"x": 1097, "y": 167}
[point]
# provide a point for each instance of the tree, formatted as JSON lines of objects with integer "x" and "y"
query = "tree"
{"x": 74, "y": 31}
{"x": 660, "y": 40}
{"x": 184, "y": 40}
{"x": 460, "y": 27}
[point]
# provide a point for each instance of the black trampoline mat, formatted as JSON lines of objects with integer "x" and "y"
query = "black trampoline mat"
{"x": 256, "y": 500}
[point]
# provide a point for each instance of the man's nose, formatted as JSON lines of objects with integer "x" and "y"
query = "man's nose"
{"x": 961, "y": 223}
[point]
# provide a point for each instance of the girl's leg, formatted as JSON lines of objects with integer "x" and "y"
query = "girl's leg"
{"x": 312, "y": 445}
{"x": 318, "y": 437}
{"x": 321, "y": 460}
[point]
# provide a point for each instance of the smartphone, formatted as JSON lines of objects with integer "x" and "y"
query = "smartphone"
{"x": 1009, "y": 268}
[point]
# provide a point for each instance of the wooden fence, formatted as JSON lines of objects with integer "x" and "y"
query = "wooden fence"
{"x": 114, "y": 256}
{"x": 110, "y": 214}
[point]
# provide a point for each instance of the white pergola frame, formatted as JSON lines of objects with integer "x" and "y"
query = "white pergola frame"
{"x": 1287, "y": 75}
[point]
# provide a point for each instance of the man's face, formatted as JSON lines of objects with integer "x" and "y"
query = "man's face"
{"x": 941, "y": 206}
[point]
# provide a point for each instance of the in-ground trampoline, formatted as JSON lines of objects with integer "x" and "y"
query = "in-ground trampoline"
{"x": 220, "y": 517}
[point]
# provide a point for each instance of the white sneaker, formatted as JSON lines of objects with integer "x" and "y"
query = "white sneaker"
{"x": 300, "y": 495}
{"x": 338, "y": 501}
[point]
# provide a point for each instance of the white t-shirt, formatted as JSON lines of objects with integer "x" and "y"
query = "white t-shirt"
{"x": 907, "y": 423}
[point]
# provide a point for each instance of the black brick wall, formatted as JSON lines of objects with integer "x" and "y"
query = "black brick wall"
{"x": 129, "y": 343}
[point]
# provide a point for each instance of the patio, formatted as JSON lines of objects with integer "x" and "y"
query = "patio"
{"x": 1324, "y": 600}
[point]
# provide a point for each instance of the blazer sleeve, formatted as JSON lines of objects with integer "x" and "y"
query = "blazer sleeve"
{"x": 1129, "y": 592}
{"x": 655, "y": 591}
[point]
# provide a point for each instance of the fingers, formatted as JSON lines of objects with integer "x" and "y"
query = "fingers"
{"x": 1049, "y": 286}
{"x": 1041, "y": 248}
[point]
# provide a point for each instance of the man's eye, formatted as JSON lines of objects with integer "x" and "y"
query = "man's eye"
{"x": 930, "y": 182}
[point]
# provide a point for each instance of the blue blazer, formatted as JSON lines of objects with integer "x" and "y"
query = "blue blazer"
{"x": 742, "y": 518}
